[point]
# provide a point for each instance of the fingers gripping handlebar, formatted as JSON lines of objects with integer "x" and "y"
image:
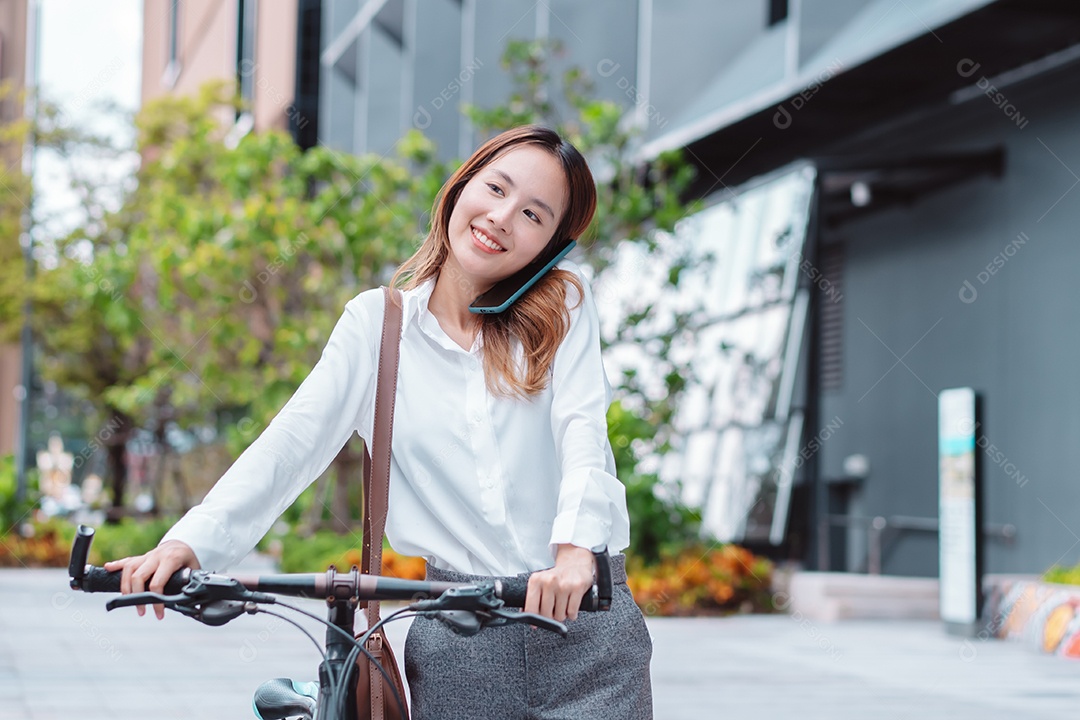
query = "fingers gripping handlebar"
{"x": 513, "y": 591}
{"x": 95, "y": 579}
{"x": 466, "y": 610}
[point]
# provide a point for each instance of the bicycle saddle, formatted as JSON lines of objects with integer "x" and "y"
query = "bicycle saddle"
{"x": 282, "y": 698}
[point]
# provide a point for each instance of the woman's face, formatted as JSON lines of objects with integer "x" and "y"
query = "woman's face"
{"x": 506, "y": 214}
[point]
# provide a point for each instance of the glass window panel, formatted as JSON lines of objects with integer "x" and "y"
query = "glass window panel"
{"x": 738, "y": 289}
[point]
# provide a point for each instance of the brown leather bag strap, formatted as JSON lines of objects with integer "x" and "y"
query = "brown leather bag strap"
{"x": 365, "y": 550}
{"x": 377, "y": 466}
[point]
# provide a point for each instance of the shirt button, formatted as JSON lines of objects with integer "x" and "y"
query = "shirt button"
{"x": 476, "y": 419}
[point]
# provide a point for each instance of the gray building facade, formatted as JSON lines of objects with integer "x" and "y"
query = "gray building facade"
{"x": 943, "y": 137}
{"x": 970, "y": 287}
{"x": 390, "y": 65}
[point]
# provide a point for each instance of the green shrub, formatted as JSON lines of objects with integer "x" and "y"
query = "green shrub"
{"x": 659, "y": 526}
{"x": 1063, "y": 575}
{"x": 48, "y": 542}
{"x": 43, "y": 544}
{"x": 12, "y": 510}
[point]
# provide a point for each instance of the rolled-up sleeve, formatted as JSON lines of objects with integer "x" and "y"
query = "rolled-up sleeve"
{"x": 592, "y": 501}
{"x": 295, "y": 448}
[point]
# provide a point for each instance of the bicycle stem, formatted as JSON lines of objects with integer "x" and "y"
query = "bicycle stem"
{"x": 342, "y": 615}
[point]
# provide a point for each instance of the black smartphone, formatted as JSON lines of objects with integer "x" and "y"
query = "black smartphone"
{"x": 505, "y": 292}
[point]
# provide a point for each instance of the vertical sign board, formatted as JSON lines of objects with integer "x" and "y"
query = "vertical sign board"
{"x": 959, "y": 510}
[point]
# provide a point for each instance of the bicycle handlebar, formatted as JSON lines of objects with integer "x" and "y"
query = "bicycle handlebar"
{"x": 331, "y": 584}
{"x": 215, "y": 599}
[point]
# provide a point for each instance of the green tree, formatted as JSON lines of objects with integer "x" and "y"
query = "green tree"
{"x": 211, "y": 291}
{"x": 67, "y": 317}
{"x": 14, "y": 201}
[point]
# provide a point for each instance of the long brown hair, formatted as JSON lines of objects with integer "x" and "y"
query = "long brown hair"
{"x": 539, "y": 319}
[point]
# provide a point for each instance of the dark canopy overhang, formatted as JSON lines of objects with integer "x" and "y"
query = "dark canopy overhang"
{"x": 852, "y": 187}
{"x": 1005, "y": 41}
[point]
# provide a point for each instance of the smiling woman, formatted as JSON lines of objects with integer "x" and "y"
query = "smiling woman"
{"x": 500, "y": 463}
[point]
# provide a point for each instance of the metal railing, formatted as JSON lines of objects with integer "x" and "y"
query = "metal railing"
{"x": 877, "y": 525}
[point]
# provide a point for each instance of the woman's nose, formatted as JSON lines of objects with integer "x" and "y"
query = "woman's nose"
{"x": 500, "y": 216}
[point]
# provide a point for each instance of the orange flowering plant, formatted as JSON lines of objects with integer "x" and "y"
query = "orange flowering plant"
{"x": 702, "y": 580}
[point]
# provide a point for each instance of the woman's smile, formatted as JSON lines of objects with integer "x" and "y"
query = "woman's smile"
{"x": 485, "y": 242}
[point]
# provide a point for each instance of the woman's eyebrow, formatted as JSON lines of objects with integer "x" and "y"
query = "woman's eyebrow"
{"x": 506, "y": 178}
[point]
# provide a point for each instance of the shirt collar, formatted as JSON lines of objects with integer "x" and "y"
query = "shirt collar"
{"x": 416, "y": 302}
{"x": 415, "y": 311}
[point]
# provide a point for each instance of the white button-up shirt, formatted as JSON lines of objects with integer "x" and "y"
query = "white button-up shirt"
{"x": 478, "y": 483}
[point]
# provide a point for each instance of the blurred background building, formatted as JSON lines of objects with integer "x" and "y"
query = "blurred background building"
{"x": 187, "y": 43}
{"x": 14, "y": 57}
{"x": 891, "y": 185}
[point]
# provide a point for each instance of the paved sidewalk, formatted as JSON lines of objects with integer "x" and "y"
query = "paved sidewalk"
{"x": 63, "y": 656}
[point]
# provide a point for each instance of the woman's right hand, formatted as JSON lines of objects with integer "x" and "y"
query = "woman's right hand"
{"x": 151, "y": 570}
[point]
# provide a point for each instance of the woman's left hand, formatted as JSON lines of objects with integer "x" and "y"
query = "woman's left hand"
{"x": 557, "y": 593}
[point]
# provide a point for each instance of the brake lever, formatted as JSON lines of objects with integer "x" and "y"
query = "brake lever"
{"x": 500, "y": 616}
{"x": 145, "y": 598}
{"x": 210, "y": 599}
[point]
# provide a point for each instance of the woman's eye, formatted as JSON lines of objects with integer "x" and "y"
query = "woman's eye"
{"x": 532, "y": 216}
{"x": 495, "y": 188}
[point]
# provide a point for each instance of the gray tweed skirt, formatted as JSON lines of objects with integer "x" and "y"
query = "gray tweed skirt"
{"x": 600, "y": 670}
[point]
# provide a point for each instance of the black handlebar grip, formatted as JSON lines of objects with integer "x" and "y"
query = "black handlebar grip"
{"x": 99, "y": 579}
{"x": 513, "y": 594}
{"x": 80, "y": 550}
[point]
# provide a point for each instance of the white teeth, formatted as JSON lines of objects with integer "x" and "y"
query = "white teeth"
{"x": 485, "y": 241}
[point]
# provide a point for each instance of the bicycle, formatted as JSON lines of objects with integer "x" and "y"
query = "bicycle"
{"x": 215, "y": 599}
